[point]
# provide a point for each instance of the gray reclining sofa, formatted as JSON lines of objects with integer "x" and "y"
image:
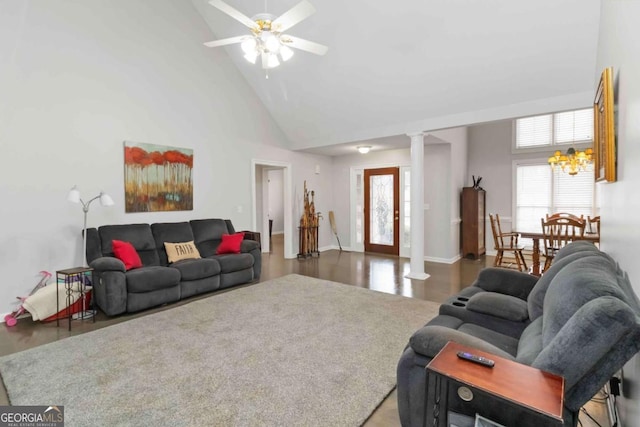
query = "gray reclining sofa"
{"x": 157, "y": 282}
{"x": 580, "y": 320}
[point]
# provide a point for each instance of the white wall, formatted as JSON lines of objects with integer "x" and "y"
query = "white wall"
{"x": 490, "y": 157}
{"x": 276, "y": 200}
{"x": 438, "y": 195}
{"x": 79, "y": 78}
{"x": 618, "y": 47}
{"x": 457, "y": 139}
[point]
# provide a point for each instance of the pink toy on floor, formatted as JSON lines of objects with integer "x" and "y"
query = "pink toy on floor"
{"x": 11, "y": 319}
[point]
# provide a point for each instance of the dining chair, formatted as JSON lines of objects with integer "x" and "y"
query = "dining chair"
{"x": 594, "y": 228}
{"x": 564, "y": 215}
{"x": 594, "y": 221}
{"x": 557, "y": 232}
{"x": 506, "y": 242}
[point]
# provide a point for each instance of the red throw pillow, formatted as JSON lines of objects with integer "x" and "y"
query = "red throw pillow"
{"x": 230, "y": 244}
{"x": 126, "y": 253}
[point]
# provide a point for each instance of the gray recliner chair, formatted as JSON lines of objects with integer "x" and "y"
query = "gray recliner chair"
{"x": 580, "y": 320}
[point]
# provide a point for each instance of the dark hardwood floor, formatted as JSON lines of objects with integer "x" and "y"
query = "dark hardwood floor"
{"x": 377, "y": 272}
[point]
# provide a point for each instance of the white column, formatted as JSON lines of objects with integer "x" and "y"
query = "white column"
{"x": 417, "y": 208}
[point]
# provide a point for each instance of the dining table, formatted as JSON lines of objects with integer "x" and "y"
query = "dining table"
{"x": 536, "y": 236}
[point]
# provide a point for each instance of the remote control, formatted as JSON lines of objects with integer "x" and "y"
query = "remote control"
{"x": 476, "y": 359}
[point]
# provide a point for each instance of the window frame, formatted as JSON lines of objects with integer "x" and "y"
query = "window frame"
{"x": 551, "y": 148}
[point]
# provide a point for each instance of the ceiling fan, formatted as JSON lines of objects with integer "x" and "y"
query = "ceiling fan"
{"x": 267, "y": 39}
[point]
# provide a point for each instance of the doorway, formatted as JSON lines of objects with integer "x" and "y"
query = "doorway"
{"x": 382, "y": 210}
{"x": 260, "y": 196}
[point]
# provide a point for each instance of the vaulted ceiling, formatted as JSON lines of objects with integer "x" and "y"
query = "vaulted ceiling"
{"x": 419, "y": 65}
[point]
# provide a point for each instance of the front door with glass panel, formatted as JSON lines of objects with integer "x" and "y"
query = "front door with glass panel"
{"x": 381, "y": 210}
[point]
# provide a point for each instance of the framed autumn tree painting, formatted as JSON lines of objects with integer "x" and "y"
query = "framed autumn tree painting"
{"x": 157, "y": 178}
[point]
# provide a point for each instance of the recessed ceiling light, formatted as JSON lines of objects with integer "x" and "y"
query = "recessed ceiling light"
{"x": 364, "y": 149}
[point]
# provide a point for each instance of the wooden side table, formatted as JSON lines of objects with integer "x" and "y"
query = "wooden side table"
{"x": 68, "y": 277}
{"x": 510, "y": 393}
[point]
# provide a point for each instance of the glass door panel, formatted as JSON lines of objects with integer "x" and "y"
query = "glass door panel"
{"x": 382, "y": 215}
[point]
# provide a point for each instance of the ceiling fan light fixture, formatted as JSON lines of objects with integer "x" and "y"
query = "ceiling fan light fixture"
{"x": 267, "y": 39}
{"x": 271, "y": 42}
{"x": 286, "y": 53}
{"x": 249, "y": 45}
{"x": 251, "y": 56}
{"x": 272, "y": 60}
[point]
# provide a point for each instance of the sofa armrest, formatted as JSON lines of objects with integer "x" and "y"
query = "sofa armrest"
{"x": 590, "y": 347}
{"x": 430, "y": 339}
{"x": 109, "y": 285}
{"x": 499, "y": 305}
{"x": 504, "y": 281}
{"x": 252, "y": 247}
{"x": 107, "y": 264}
{"x": 248, "y": 245}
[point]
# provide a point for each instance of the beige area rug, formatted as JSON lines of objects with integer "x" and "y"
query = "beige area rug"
{"x": 287, "y": 352}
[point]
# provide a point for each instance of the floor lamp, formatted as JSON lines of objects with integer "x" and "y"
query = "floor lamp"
{"x": 74, "y": 197}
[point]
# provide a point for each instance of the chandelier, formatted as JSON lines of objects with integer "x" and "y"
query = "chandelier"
{"x": 573, "y": 161}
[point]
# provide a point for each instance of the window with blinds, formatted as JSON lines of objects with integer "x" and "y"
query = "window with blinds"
{"x": 540, "y": 191}
{"x": 554, "y": 129}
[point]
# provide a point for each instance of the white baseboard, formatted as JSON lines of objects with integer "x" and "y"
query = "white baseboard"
{"x": 430, "y": 259}
{"x": 443, "y": 260}
{"x": 334, "y": 247}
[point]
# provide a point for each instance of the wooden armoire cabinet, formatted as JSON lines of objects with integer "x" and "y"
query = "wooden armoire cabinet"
{"x": 472, "y": 206}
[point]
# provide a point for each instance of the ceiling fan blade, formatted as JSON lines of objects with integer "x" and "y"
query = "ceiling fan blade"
{"x": 297, "y": 13}
{"x": 224, "y": 42}
{"x": 235, "y": 14}
{"x": 305, "y": 45}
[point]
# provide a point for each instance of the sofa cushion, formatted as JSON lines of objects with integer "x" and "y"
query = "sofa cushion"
{"x": 530, "y": 344}
{"x": 575, "y": 247}
{"x": 207, "y": 234}
{"x": 504, "y": 281}
{"x": 230, "y": 244}
{"x": 170, "y": 232}
{"x": 148, "y": 279}
{"x": 195, "y": 269}
{"x": 499, "y": 305}
{"x": 179, "y": 251}
{"x": 234, "y": 262}
{"x": 572, "y": 287}
{"x": 126, "y": 253}
{"x": 535, "y": 302}
{"x": 139, "y": 235}
{"x": 503, "y": 342}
